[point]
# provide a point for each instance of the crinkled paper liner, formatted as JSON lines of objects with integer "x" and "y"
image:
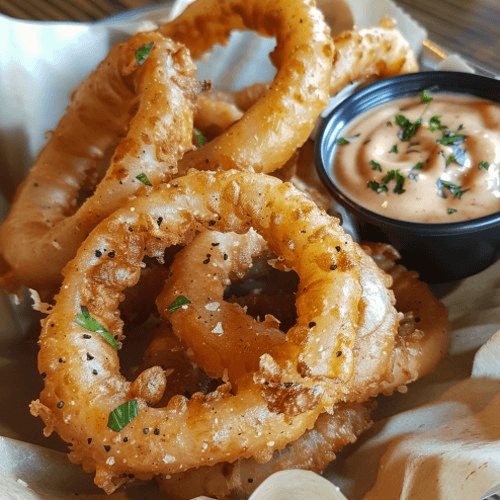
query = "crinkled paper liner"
{"x": 439, "y": 441}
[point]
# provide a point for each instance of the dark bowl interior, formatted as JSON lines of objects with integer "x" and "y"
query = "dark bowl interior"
{"x": 441, "y": 252}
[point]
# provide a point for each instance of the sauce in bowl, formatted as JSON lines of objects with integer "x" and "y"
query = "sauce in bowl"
{"x": 432, "y": 158}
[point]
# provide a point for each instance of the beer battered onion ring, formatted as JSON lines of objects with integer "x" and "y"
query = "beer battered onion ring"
{"x": 83, "y": 384}
{"x": 145, "y": 110}
{"x": 359, "y": 55}
{"x": 314, "y": 450}
{"x": 419, "y": 346}
{"x": 267, "y": 134}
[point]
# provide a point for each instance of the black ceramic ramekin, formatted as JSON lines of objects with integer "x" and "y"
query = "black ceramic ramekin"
{"x": 441, "y": 252}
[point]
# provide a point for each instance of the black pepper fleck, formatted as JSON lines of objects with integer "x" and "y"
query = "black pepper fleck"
{"x": 312, "y": 324}
{"x": 215, "y": 244}
{"x": 211, "y": 223}
{"x": 94, "y": 372}
{"x": 339, "y": 353}
{"x": 87, "y": 336}
{"x": 107, "y": 447}
{"x": 98, "y": 253}
{"x": 89, "y": 357}
{"x": 337, "y": 248}
{"x": 43, "y": 374}
{"x": 60, "y": 404}
{"x": 89, "y": 440}
{"x": 157, "y": 432}
{"x": 111, "y": 254}
{"x": 145, "y": 430}
{"x": 226, "y": 256}
{"x": 125, "y": 439}
{"x": 333, "y": 267}
{"x": 159, "y": 221}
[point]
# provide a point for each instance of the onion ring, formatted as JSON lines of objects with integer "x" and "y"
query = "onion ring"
{"x": 222, "y": 337}
{"x": 379, "y": 51}
{"x": 423, "y": 336}
{"x": 85, "y": 390}
{"x": 45, "y": 226}
{"x": 314, "y": 451}
{"x": 359, "y": 55}
{"x": 267, "y": 134}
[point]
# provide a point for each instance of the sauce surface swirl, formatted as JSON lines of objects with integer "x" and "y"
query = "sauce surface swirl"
{"x": 429, "y": 158}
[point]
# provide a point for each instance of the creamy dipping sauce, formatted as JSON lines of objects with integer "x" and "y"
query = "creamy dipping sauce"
{"x": 430, "y": 158}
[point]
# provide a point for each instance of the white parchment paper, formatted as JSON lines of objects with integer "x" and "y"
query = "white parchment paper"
{"x": 440, "y": 441}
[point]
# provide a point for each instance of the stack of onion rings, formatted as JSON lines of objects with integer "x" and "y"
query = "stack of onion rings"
{"x": 110, "y": 260}
{"x": 230, "y": 399}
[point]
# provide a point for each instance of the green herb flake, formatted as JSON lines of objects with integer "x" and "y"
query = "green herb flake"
{"x": 121, "y": 416}
{"x": 450, "y": 138}
{"x": 86, "y": 321}
{"x": 401, "y": 120}
{"x": 375, "y": 165}
{"x": 455, "y": 190}
{"x": 452, "y": 211}
{"x": 143, "y": 178}
{"x": 178, "y": 303}
{"x": 417, "y": 166}
{"x": 388, "y": 123}
{"x": 342, "y": 140}
{"x": 425, "y": 97}
{"x": 435, "y": 124}
{"x": 400, "y": 180}
{"x": 450, "y": 159}
{"x": 394, "y": 148}
{"x": 200, "y": 138}
{"x": 484, "y": 165}
{"x": 142, "y": 53}
{"x": 378, "y": 188}
{"x": 410, "y": 129}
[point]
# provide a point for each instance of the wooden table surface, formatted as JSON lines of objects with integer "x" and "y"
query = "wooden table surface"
{"x": 468, "y": 27}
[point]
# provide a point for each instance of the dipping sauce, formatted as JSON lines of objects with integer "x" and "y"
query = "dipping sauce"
{"x": 433, "y": 158}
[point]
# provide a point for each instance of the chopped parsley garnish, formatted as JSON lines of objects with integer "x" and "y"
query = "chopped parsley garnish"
{"x": 388, "y": 123}
{"x": 409, "y": 128}
{"x": 394, "y": 148}
{"x": 178, "y": 303}
{"x": 144, "y": 179}
{"x": 425, "y": 97}
{"x": 450, "y": 138}
{"x": 200, "y": 138}
{"x": 342, "y": 140}
{"x": 375, "y": 165}
{"x": 142, "y": 53}
{"x": 86, "y": 321}
{"x": 417, "y": 166}
{"x": 484, "y": 165}
{"x": 435, "y": 124}
{"x": 451, "y": 211}
{"x": 401, "y": 120}
{"x": 378, "y": 188}
{"x": 400, "y": 180}
{"x": 123, "y": 415}
{"x": 450, "y": 159}
{"x": 455, "y": 190}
